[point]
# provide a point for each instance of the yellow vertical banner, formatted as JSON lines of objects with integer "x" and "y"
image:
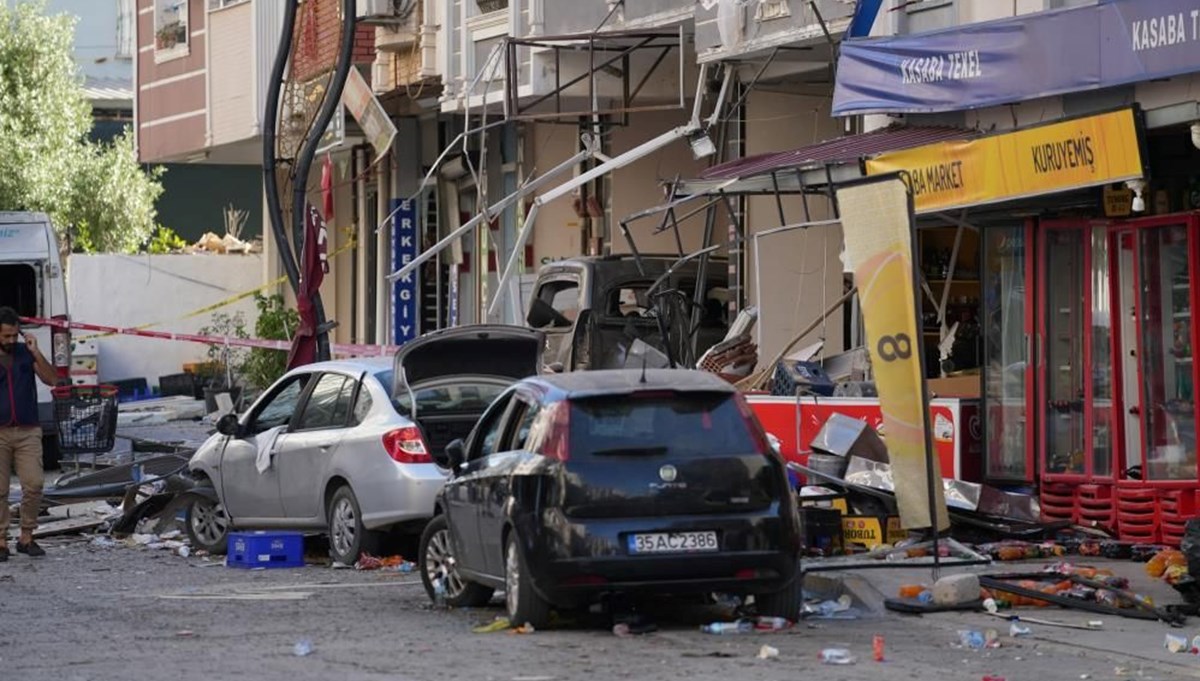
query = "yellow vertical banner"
{"x": 877, "y": 230}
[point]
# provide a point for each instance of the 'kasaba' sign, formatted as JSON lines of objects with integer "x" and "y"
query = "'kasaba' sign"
{"x": 1072, "y": 154}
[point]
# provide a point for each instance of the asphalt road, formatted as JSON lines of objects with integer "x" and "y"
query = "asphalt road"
{"x": 91, "y": 613}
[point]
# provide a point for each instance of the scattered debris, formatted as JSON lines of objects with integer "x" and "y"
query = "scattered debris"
{"x": 836, "y": 656}
{"x": 185, "y": 633}
{"x": 526, "y": 628}
{"x": 393, "y": 563}
{"x": 956, "y": 589}
{"x": 767, "y": 652}
{"x": 839, "y": 609}
{"x": 743, "y": 626}
{"x": 498, "y": 624}
{"x": 303, "y": 648}
{"x": 1176, "y": 643}
{"x": 877, "y": 647}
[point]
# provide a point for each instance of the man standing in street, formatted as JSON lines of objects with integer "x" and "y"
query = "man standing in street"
{"x": 20, "y": 429}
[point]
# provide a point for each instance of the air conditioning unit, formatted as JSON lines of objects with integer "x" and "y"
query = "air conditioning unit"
{"x": 390, "y": 12}
{"x": 398, "y": 22}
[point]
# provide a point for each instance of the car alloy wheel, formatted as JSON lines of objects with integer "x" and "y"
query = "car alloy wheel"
{"x": 208, "y": 525}
{"x": 344, "y": 527}
{"x": 512, "y": 579}
{"x": 440, "y": 564}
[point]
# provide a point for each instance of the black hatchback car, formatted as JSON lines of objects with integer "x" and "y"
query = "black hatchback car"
{"x": 575, "y": 485}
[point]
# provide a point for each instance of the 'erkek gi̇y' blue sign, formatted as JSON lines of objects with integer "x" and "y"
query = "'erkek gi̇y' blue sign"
{"x": 405, "y": 290}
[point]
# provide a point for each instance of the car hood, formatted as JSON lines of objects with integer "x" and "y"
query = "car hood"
{"x": 499, "y": 350}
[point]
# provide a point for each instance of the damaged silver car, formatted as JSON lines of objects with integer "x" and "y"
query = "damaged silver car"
{"x": 343, "y": 447}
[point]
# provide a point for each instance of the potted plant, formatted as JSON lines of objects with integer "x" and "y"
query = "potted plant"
{"x": 223, "y": 371}
{"x": 275, "y": 321}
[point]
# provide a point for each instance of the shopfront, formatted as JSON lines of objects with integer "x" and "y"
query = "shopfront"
{"x": 1084, "y": 310}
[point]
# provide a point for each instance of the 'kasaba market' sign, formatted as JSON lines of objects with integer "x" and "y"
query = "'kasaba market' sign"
{"x": 1072, "y": 154}
{"x": 1113, "y": 42}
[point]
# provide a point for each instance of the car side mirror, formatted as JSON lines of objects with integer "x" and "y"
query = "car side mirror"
{"x": 229, "y": 425}
{"x": 453, "y": 456}
{"x": 542, "y": 315}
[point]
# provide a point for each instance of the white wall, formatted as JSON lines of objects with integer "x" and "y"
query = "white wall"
{"x": 127, "y": 291}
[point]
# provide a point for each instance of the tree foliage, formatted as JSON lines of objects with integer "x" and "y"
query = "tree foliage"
{"x": 98, "y": 193}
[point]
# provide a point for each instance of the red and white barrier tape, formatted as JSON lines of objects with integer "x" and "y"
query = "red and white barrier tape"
{"x": 343, "y": 349}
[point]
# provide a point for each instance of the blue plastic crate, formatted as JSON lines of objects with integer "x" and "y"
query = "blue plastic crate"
{"x": 265, "y": 550}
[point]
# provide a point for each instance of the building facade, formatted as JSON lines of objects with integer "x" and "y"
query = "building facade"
{"x": 1076, "y": 255}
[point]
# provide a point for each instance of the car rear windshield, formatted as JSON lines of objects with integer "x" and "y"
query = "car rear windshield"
{"x": 677, "y": 424}
{"x": 450, "y": 397}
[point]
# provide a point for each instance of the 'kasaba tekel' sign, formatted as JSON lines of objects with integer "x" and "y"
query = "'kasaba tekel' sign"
{"x": 1072, "y": 154}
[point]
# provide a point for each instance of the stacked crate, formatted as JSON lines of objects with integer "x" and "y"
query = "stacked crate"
{"x": 1094, "y": 506}
{"x": 1137, "y": 514}
{"x": 1058, "y": 502}
{"x": 85, "y": 363}
{"x": 1175, "y": 508}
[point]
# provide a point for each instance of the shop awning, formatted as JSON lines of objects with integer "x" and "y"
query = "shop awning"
{"x": 782, "y": 169}
{"x": 1090, "y": 46}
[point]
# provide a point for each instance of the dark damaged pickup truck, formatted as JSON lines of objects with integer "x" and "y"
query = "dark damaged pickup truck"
{"x": 611, "y": 312}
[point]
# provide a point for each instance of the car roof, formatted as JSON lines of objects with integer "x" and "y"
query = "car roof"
{"x": 353, "y": 365}
{"x": 575, "y": 384}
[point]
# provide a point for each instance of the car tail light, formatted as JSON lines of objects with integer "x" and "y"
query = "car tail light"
{"x": 558, "y": 436}
{"x": 756, "y": 431}
{"x": 60, "y": 347}
{"x": 755, "y": 574}
{"x": 405, "y": 445}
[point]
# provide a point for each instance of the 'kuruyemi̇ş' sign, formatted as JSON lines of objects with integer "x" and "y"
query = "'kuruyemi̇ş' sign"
{"x": 1082, "y": 152}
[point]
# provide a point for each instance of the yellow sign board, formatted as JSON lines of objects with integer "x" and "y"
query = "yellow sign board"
{"x": 1083, "y": 152}
{"x": 870, "y": 532}
{"x": 877, "y": 232}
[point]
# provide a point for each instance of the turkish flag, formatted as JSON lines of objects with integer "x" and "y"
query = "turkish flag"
{"x": 327, "y": 187}
{"x": 316, "y": 265}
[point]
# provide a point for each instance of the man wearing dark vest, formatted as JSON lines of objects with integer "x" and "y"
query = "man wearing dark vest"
{"x": 20, "y": 429}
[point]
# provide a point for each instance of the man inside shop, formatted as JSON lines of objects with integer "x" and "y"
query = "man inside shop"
{"x": 20, "y": 429}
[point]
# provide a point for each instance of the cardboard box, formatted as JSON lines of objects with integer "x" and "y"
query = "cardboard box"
{"x": 870, "y": 531}
{"x": 955, "y": 386}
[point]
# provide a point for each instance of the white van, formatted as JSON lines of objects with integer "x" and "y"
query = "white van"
{"x": 32, "y": 282}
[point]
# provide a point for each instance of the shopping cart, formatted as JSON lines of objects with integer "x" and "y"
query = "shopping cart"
{"x": 86, "y": 418}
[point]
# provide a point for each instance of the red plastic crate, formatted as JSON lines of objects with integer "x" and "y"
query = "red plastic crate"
{"x": 1058, "y": 502}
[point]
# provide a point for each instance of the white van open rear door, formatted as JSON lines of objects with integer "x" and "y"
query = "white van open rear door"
{"x": 32, "y": 282}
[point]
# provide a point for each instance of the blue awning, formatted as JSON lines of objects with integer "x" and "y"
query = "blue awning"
{"x": 1114, "y": 42}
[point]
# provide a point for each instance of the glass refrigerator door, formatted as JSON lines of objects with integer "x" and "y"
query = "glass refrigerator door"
{"x": 1168, "y": 413}
{"x": 1065, "y": 369}
{"x": 1006, "y": 353}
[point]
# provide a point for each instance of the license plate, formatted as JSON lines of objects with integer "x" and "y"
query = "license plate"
{"x": 673, "y": 542}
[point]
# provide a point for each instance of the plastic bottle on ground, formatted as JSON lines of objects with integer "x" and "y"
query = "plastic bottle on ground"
{"x": 836, "y": 656}
{"x": 772, "y": 623}
{"x": 739, "y": 627}
{"x": 877, "y": 647}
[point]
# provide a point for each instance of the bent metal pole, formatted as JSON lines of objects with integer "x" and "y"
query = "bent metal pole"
{"x": 532, "y": 186}
{"x": 643, "y": 150}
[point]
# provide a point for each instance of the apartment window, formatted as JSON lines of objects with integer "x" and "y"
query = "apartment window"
{"x": 170, "y": 29}
{"x": 221, "y": 4}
